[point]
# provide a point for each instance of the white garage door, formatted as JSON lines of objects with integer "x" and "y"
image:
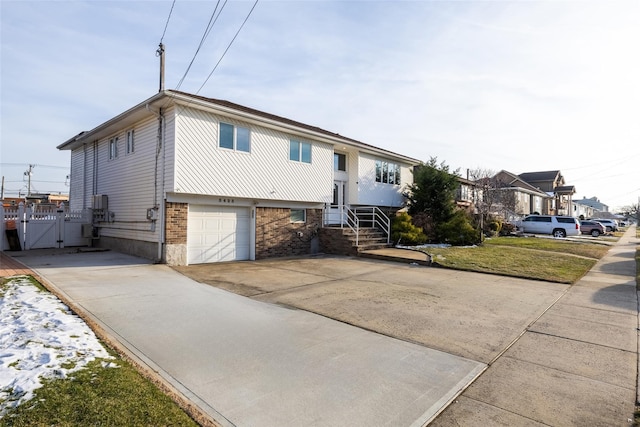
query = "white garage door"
{"x": 217, "y": 233}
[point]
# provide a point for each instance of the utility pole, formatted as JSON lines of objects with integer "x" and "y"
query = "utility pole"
{"x": 160, "y": 53}
{"x": 28, "y": 175}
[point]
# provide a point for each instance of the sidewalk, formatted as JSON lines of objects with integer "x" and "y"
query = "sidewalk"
{"x": 576, "y": 365}
{"x": 10, "y": 267}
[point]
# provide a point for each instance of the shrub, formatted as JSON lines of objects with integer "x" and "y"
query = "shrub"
{"x": 507, "y": 229}
{"x": 458, "y": 230}
{"x": 424, "y": 221}
{"x": 495, "y": 226}
{"x": 403, "y": 231}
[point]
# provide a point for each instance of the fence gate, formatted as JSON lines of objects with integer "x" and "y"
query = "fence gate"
{"x": 40, "y": 227}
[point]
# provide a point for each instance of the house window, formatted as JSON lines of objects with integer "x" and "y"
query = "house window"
{"x": 130, "y": 142}
{"x": 387, "y": 172}
{"x": 299, "y": 151}
{"x": 339, "y": 162}
{"x": 113, "y": 148}
{"x": 235, "y": 137}
{"x": 298, "y": 215}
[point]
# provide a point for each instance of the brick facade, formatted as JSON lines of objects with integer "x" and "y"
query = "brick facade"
{"x": 277, "y": 236}
{"x": 337, "y": 241}
{"x": 176, "y": 223}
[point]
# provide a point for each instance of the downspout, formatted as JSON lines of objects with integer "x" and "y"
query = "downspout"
{"x": 159, "y": 206}
{"x": 95, "y": 168}
{"x": 84, "y": 176}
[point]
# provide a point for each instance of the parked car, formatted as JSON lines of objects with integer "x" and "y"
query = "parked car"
{"x": 609, "y": 223}
{"x": 558, "y": 226}
{"x": 594, "y": 228}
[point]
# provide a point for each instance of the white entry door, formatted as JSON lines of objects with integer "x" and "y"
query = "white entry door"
{"x": 217, "y": 233}
{"x": 337, "y": 208}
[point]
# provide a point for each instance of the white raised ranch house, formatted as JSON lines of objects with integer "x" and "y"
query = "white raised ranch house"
{"x": 185, "y": 179}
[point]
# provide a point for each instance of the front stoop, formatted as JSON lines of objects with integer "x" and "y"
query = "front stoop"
{"x": 342, "y": 241}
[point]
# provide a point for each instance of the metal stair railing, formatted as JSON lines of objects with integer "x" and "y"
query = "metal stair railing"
{"x": 354, "y": 218}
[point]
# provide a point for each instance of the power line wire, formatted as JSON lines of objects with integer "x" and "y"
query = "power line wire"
{"x": 212, "y": 20}
{"x": 37, "y": 164}
{"x": 167, "y": 23}
{"x": 229, "y": 46}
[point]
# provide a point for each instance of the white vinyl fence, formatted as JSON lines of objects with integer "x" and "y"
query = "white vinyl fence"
{"x": 38, "y": 227}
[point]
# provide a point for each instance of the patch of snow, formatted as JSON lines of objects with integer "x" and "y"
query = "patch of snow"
{"x": 434, "y": 245}
{"x": 39, "y": 338}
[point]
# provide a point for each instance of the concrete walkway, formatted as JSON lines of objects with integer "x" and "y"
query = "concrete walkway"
{"x": 249, "y": 363}
{"x": 575, "y": 366}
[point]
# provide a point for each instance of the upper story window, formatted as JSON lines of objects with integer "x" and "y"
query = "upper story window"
{"x": 387, "y": 172}
{"x": 130, "y": 142}
{"x": 339, "y": 162}
{"x": 299, "y": 151}
{"x": 235, "y": 137}
{"x": 113, "y": 148}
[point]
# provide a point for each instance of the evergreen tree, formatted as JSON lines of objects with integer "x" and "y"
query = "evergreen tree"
{"x": 433, "y": 191}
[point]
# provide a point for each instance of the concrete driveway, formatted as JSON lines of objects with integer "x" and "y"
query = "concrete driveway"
{"x": 243, "y": 362}
{"x": 373, "y": 343}
{"x": 475, "y": 316}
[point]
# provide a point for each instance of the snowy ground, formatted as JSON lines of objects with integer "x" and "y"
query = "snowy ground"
{"x": 39, "y": 338}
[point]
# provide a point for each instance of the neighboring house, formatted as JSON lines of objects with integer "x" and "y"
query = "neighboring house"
{"x": 594, "y": 203}
{"x": 185, "y": 179}
{"x": 583, "y": 211}
{"x": 466, "y": 194}
{"x": 553, "y": 183}
{"x": 510, "y": 196}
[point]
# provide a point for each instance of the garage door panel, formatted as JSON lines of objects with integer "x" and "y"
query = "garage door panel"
{"x": 217, "y": 233}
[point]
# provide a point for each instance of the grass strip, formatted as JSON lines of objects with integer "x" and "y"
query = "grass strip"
{"x": 551, "y": 260}
{"x": 106, "y": 393}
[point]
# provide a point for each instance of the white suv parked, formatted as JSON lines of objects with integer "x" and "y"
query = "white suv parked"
{"x": 558, "y": 226}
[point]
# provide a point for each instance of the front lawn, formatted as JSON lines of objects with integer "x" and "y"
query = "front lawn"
{"x": 113, "y": 394}
{"x": 552, "y": 260}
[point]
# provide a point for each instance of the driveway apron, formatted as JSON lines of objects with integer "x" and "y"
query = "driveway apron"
{"x": 250, "y": 363}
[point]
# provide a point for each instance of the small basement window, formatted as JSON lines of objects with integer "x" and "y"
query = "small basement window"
{"x": 298, "y": 215}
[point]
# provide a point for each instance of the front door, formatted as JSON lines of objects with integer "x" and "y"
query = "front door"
{"x": 337, "y": 208}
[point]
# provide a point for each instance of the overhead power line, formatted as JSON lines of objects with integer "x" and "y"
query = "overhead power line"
{"x": 212, "y": 20}
{"x": 37, "y": 164}
{"x": 167, "y": 23}
{"x": 229, "y": 46}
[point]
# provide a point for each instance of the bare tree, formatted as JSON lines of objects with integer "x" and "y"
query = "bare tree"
{"x": 495, "y": 197}
{"x": 632, "y": 210}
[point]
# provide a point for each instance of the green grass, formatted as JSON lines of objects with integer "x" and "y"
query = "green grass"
{"x": 99, "y": 396}
{"x": 552, "y": 260}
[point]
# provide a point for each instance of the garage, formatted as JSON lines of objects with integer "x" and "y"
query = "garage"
{"x": 217, "y": 233}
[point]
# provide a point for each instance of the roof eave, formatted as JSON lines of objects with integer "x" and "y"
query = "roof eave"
{"x": 84, "y": 137}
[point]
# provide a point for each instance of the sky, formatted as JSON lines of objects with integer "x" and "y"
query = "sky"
{"x": 521, "y": 86}
{"x": 40, "y": 339}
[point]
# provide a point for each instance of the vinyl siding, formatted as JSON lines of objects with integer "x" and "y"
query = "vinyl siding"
{"x": 127, "y": 180}
{"x": 370, "y": 192}
{"x": 79, "y": 179}
{"x": 265, "y": 173}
